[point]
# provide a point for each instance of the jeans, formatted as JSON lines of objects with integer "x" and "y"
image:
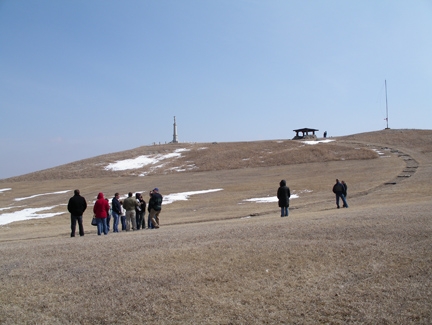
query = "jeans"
{"x": 102, "y": 226}
{"x": 115, "y": 222}
{"x": 139, "y": 219}
{"x": 340, "y": 195}
{"x": 108, "y": 221}
{"x": 74, "y": 220}
{"x": 123, "y": 222}
{"x": 284, "y": 211}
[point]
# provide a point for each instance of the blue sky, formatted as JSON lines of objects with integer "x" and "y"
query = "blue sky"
{"x": 87, "y": 77}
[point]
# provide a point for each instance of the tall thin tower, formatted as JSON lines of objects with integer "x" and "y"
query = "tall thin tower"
{"x": 175, "y": 138}
{"x": 385, "y": 83}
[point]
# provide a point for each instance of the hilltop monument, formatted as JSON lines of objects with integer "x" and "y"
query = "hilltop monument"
{"x": 175, "y": 138}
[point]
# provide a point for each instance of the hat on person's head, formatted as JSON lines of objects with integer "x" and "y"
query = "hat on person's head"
{"x": 156, "y": 189}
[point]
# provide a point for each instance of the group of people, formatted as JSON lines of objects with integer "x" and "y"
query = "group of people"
{"x": 283, "y": 194}
{"x": 130, "y": 212}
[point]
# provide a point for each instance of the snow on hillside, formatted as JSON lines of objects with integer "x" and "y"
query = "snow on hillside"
{"x": 40, "y": 212}
{"x": 144, "y": 160}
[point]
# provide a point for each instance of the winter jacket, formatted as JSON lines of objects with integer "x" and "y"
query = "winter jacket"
{"x": 77, "y": 205}
{"x": 338, "y": 188}
{"x": 141, "y": 206}
{"x": 101, "y": 207}
{"x": 155, "y": 202}
{"x": 130, "y": 203}
{"x": 283, "y": 194}
{"x": 345, "y": 189}
{"x": 116, "y": 206}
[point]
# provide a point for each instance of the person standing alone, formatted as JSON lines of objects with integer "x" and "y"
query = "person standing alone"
{"x": 283, "y": 195}
{"x": 76, "y": 206}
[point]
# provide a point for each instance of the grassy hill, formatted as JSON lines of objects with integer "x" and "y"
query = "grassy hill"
{"x": 220, "y": 259}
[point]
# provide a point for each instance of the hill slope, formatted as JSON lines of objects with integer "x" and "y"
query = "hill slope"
{"x": 220, "y": 259}
{"x": 172, "y": 158}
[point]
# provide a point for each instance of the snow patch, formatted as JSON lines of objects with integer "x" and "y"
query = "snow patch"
{"x": 317, "y": 141}
{"x": 184, "y": 196}
{"x": 142, "y": 161}
{"x": 25, "y": 214}
{"x": 36, "y": 195}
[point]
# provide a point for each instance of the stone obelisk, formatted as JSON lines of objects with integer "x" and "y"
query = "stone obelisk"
{"x": 175, "y": 138}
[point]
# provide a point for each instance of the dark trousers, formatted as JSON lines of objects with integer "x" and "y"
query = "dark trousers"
{"x": 108, "y": 221}
{"x": 123, "y": 222}
{"x": 74, "y": 220}
{"x": 143, "y": 223}
{"x": 140, "y": 221}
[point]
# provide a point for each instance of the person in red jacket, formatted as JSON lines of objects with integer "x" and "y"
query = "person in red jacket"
{"x": 101, "y": 209}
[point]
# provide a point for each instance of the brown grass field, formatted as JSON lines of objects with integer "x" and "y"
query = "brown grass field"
{"x": 218, "y": 259}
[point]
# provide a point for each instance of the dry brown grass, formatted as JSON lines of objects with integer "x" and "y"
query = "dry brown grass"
{"x": 208, "y": 264}
{"x": 204, "y": 157}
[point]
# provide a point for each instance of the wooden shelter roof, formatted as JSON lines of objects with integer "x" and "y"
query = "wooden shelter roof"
{"x": 305, "y": 130}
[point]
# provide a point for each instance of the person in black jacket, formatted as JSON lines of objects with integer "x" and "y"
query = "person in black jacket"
{"x": 149, "y": 222}
{"x": 155, "y": 207}
{"x": 138, "y": 215}
{"x": 140, "y": 211}
{"x": 338, "y": 190}
{"x": 76, "y": 206}
{"x": 345, "y": 192}
{"x": 116, "y": 211}
{"x": 283, "y": 195}
{"x": 143, "y": 205}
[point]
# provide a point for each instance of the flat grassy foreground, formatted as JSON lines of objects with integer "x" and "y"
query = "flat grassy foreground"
{"x": 218, "y": 261}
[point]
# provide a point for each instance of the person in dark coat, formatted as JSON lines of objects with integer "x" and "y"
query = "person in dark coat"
{"x": 338, "y": 190}
{"x": 149, "y": 222}
{"x": 116, "y": 211}
{"x": 155, "y": 207}
{"x": 345, "y": 192}
{"x": 142, "y": 205}
{"x": 283, "y": 195}
{"x": 76, "y": 206}
{"x": 140, "y": 211}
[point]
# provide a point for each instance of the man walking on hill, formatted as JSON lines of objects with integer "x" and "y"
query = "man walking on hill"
{"x": 76, "y": 206}
{"x": 130, "y": 204}
{"x": 345, "y": 192}
{"x": 155, "y": 207}
{"x": 339, "y": 190}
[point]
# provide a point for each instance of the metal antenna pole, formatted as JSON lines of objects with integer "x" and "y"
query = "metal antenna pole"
{"x": 385, "y": 82}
